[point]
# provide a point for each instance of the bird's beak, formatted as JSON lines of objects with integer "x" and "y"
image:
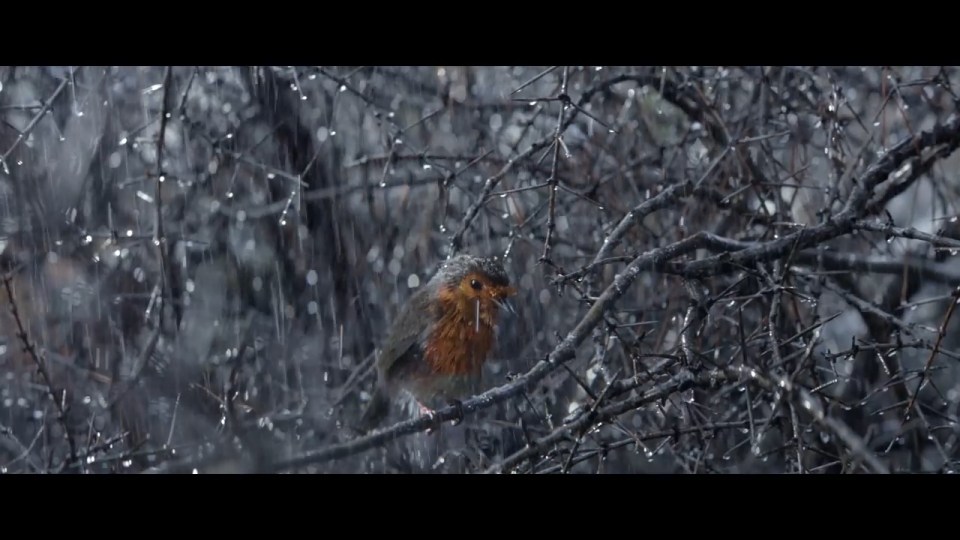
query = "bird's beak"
{"x": 503, "y": 300}
{"x": 506, "y": 304}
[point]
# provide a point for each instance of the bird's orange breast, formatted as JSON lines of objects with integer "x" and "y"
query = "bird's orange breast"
{"x": 459, "y": 343}
{"x": 458, "y": 349}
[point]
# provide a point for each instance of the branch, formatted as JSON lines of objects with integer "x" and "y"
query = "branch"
{"x": 31, "y": 350}
{"x": 677, "y": 383}
{"x": 812, "y": 405}
{"x": 867, "y": 307}
{"x": 919, "y": 269}
{"x": 941, "y": 333}
{"x": 552, "y": 181}
{"x": 838, "y": 225}
{"x": 36, "y": 118}
{"x": 664, "y": 199}
{"x": 456, "y": 241}
{"x": 890, "y": 230}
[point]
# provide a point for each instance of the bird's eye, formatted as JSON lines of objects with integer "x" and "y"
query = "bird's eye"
{"x": 476, "y": 285}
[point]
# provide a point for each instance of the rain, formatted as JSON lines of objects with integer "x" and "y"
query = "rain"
{"x": 717, "y": 269}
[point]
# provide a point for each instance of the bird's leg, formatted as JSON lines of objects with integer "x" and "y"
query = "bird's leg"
{"x": 427, "y": 411}
{"x": 424, "y": 410}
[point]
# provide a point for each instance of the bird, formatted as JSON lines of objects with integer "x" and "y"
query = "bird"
{"x": 437, "y": 345}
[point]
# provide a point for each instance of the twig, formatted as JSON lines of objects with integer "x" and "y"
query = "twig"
{"x": 591, "y": 415}
{"x": 456, "y": 241}
{"x": 664, "y": 199}
{"x": 811, "y": 404}
{"x": 36, "y": 118}
{"x": 835, "y": 262}
{"x": 31, "y": 350}
{"x": 941, "y": 332}
{"x": 536, "y": 78}
{"x": 678, "y": 383}
{"x": 890, "y": 230}
{"x": 842, "y": 223}
{"x": 552, "y": 181}
{"x": 867, "y": 307}
{"x": 588, "y": 454}
{"x": 14, "y": 446}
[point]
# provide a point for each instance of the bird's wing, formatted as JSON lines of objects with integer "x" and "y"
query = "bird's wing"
{"x": 405, "y": 332}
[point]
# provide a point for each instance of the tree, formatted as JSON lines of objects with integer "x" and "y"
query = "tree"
{"x": 722, "y": 269}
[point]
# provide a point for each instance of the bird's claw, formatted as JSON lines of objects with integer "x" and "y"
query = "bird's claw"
{"x": 424, "y": 410}
{"x": 427, "y": 411}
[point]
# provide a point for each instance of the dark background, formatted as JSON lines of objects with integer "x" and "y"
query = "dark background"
{"x": 213, "y": 320}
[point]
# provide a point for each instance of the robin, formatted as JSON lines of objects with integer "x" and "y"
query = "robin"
{"x": 438, "y": 344}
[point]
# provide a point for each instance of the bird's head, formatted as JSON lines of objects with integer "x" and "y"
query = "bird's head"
{"x": 476, "y": 287}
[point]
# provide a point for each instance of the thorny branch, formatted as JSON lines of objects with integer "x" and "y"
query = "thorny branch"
{"x": 552, "y": 181}
{"x": 714, "y": 222}
{"x": 23, "y": 135}
{"x": 57, "y": 396}
{"x": 660, "y": 259}
{"x": 844, "y": 222}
